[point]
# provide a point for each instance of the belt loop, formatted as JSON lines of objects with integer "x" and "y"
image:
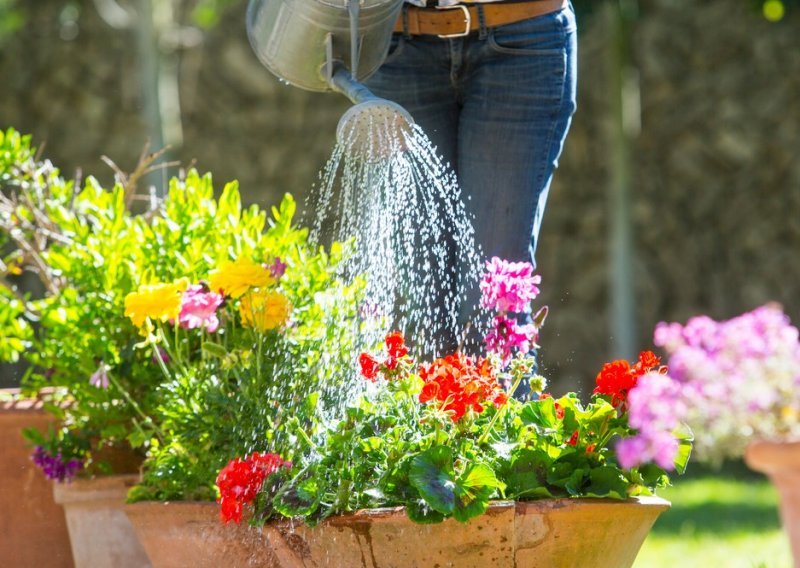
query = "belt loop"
{"x": 406, "y": 33}
{"x": 483, "y": 31}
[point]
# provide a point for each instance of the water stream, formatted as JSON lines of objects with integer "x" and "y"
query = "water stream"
{"x": 387, "y": 188}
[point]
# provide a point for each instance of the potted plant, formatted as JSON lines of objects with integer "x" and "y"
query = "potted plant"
{"x": 740, "y": 392}
{"x": 437, "y": 462}
{"x": 95, "y": 256}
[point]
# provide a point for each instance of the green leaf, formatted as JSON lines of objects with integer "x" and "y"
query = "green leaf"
{"x": 527, "y": 472}
{"x": 214, "y": 349}
{"x": 685, "y": 437}
{"x": 481, "y": 475}
{"x": 299, "y": 497}
{"x": 432, "y": 475}
{"x": 473, "y": 491}
{"x": 419, "y": 512}
{"x": 607, "y": 481}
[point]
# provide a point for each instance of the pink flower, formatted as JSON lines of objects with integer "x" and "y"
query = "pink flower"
{"x": 507, "y": 335}
{"x": 199, "y": 308}
{"x": 656, "y": 406}
{"x": 509, "y": 286}
{"x": 99, "y": 378}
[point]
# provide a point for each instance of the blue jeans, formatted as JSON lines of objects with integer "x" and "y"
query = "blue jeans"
{"x": 497, "y": 104}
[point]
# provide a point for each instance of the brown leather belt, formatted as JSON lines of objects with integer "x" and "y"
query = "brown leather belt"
{"x": 461, "y": 19}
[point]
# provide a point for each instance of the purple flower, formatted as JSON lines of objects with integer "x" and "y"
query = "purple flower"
{"x": 55, "y": 467}
{"x": 199, "y": 308}
{"x": 509, "y": 286}
{"x": 99, "y": 378}
{"x": 369, "y": 310}
{"x": 277, "y": 268}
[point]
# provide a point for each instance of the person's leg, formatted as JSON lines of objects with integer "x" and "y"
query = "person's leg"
{"x": 519, "y": 89}
{"x": 416, "y": 75}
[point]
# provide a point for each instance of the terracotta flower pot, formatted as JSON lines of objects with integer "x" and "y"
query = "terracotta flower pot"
{"x": 559, "y": 533}
{"x": 99, "y": 530}
{"x": 179, "y": 534}
{"x": 33, "y": 530}
{"x": 780, "y": 461}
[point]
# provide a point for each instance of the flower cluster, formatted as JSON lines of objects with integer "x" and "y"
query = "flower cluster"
{"x": 443, "y": 438}
{"x": 240, "y": 481}
{"x": 458, "y": 383}
{"x": 508, "y": 288}
{"x": 55, "y": 466}
{"x": 195, "y": 306}
{"x": 739, "y": 379}
{"x": 617, "y": 378}
{"x": 388, "y": 366}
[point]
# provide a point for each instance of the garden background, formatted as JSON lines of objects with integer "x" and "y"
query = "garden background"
{"x": 678, "y": 192}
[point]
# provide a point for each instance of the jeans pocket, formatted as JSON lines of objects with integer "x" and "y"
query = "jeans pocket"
{"x": 395, "y": 48}
{"x": 542, "y": 35}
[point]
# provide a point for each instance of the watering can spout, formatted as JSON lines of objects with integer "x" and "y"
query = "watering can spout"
{"x": 373, "y": 126}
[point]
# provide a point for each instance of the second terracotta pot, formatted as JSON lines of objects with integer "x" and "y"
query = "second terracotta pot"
{"x": 100, "y": 532}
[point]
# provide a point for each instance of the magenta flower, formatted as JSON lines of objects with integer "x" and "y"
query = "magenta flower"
{"x": 199, "y": 308}
{"x": 99, "y": 378}
{"x": 509, "y": 286}
{"x": 507, "y": 335}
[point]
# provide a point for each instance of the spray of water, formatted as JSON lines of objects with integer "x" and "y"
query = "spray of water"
{"x": 385, "y": 186}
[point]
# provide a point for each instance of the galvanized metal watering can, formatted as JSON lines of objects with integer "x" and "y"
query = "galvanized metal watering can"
{"x": 331, "y": 45}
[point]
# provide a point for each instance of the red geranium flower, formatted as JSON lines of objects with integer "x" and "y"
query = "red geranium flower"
{"x": 369, "y": 366}
{"x": 617, "y": 378}
{"x": 396, "y": 350}
{"x": 458, "y": 383}
{"x": 396, "y": 345}
{"x": 240, "y": 481}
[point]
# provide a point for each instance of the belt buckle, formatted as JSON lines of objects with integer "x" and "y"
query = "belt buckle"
{"x": 467, "y": 20}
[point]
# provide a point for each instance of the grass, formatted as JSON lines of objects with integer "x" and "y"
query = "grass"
{"x": 727, "y": 519}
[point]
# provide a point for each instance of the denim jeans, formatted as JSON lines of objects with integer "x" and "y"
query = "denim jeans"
{"x": 497, "y": 104}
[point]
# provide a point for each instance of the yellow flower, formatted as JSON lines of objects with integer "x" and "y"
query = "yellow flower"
{"x": 264, "y": 310}
{"x": 235, "y": 278}
{"x": 155, "y": 301}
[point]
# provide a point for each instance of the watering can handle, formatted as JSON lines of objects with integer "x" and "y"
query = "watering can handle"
{"x": 353, "y": 8}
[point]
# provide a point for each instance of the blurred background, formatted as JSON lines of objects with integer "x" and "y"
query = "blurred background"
{"x": 678, "y": 192}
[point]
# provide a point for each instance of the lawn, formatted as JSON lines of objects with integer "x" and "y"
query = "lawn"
{"x": 727, "y": 519}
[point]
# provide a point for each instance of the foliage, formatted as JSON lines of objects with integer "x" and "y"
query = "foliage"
{"x": 443, "y": 438}
{"x": 90, "y": 252}
{"x": 266, "y": 371}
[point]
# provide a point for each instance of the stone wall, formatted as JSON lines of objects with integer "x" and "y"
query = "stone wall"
{"x": 716, "y": 186}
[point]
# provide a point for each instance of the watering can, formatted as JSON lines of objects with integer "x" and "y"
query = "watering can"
{"x": 332, "y": 45}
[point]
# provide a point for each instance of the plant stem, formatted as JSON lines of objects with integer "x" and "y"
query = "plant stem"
{"x": 501, "y": 410}
{"x": 136, "y": 406}
{"x": 304, "y": 436}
